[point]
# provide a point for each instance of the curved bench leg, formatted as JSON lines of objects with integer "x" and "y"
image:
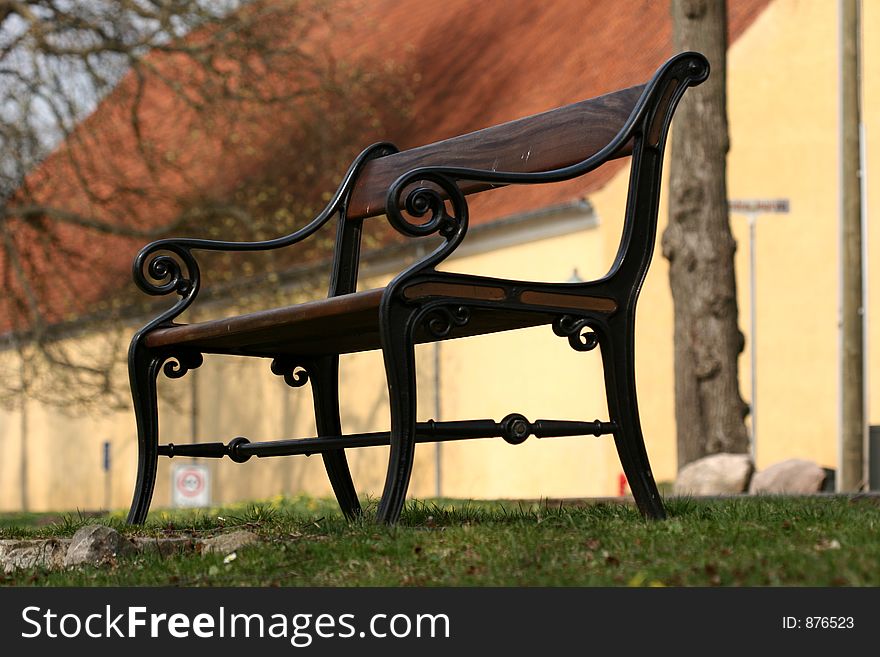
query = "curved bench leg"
{"x": 618, "y": 359}
{"x": 143, "y": 369}
{"x": 399, "y": 354}
{"x": 325, "y": 393}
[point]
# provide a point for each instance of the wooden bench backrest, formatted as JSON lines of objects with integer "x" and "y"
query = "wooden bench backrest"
{"x": 546, "y": 141}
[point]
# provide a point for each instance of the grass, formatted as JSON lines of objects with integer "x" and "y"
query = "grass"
{"x": 749, "y": 541}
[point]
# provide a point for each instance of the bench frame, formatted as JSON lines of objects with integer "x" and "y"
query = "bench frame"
{"x": 422, "y": 198}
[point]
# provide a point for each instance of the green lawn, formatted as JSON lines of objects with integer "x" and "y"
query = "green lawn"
{"x": 816, "y": 541}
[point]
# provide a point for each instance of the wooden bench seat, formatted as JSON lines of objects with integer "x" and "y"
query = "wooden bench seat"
{"x": 350, "y": 323}
{"x": 422, "y": 192}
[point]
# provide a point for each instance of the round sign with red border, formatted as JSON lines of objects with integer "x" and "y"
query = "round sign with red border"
{"x": 190, "y": 485}
{"x": 190, "y": 482}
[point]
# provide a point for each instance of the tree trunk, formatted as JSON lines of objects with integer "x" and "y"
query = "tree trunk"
{"x": 709, "y": 411}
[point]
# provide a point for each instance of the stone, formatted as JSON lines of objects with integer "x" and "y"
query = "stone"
{"x": 49, "y": 553}
{"x": 228, "y": 543}
{"x": 792, "y": 476}
{"x": 716, "y": 474}
{"x": 8, "y": 544}
{"x": 97, "y": 545}
{"x": 165, "y": 546}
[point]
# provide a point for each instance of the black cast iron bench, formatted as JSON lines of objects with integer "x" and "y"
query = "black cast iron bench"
{"x": 422, "y": 192}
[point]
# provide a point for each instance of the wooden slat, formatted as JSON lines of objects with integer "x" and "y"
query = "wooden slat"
{"x": 574, "y": 301}
{"x": 346, "y": 314}
{"x": 439, "y": 288}
{"x": 340, "y": 325}
{"x": 542, "y": 142}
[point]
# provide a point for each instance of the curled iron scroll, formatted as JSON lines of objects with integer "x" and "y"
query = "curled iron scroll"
{"x": 427, "y": 193}
{"x": 165, "y": 267}
{"x": 180, "y": 363}
{"x": 440, "y": 321}
{"x": 575, "y": 329}
{"x": 294, "y": 371}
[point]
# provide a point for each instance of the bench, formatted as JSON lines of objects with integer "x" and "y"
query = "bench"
{"x": 422, "y": 192}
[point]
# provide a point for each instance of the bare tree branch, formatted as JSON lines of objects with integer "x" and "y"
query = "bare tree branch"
{"x": 123, "y": 120}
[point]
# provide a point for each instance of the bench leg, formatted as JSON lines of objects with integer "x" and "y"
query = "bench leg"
{"x": 618, "y": 358}
{"x": 143, "y": 369}
{"x": 324, "y": 376}
{"x": 399, "y": 355}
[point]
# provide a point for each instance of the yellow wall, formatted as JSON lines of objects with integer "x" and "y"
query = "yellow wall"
{"x": 783, "y": 109}
{"x": 797, "y": 254}
{"x": 532, "y": 372}
{"x": 793, "y": 47}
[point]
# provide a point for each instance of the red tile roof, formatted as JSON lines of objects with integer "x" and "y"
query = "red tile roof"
{"x": 475, "y": 64}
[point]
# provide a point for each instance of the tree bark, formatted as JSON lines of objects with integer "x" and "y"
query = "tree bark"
{"x": 709, "y": 410}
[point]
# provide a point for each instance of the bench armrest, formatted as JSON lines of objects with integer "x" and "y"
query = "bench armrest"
{"x": 169, "y": 265}
{"x": 427, "y": 191}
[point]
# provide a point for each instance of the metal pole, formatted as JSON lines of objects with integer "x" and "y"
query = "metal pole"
{"x": 754, "y": 333}
{"x": 753, "y": 209}
{"x": 866, "y": 279}
{"x": 23, "y": 465}
{"x": 105, "y": 465}
{"x": 194, "y": 408}
{"x": 438, "y": 452}
{"x": 107, "y": 490}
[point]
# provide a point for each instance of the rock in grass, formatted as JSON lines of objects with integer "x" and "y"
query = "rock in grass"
{"x": 96, "y": 545}
{"x": 793, "y": 477}
{"x": 165, "y": 546}
{"x": 717, "y": 474}
{"x": 15, "y": 554}
{"x": 228, "y": 543}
